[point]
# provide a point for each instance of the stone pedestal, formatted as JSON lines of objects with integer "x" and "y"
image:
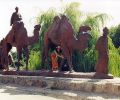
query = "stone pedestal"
{"x": 102, "y": 76}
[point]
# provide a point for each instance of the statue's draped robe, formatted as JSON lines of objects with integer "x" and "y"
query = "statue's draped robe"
{"x": 102, "y": 48}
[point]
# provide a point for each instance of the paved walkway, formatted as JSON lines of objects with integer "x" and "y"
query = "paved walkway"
{"x": 8, "y": 92}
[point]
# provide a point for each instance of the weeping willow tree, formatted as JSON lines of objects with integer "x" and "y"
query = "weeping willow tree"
{"x": 114, "y": 53}
{"x": 114, "y": 59}
{"x": 73, "y": 13}
{"x": 81, "y": 61}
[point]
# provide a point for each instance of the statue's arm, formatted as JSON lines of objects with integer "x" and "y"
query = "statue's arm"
{"x": 59, "y": 55}
{"x": 20, "y": 17}
{"x": 11, "y": 20}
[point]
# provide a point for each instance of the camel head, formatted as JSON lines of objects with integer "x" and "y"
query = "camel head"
{"x": 37, "y": 27}
{"x": 84, "y": 29}
{"x": 83, "y": 38}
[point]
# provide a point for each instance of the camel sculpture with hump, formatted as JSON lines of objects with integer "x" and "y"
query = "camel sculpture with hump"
{"x": 21, "y": 39}
{"x": 61, "y": 33}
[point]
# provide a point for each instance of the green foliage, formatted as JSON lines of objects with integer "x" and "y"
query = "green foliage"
{"x": 115, "y": 35}
{"x": 84, "y": 62}
{"x": 114, "y": 59}
{"x": 96, "y": 21}
{"x": 112, "y": 31}
{"x": 34, "y": 61}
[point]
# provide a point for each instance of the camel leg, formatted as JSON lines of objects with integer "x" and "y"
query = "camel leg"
{"x": 45, "y": 52}
{"x": 71, "y": 67}
{"x": 19, "y": 50}
{"x": 27, "y": 56}
{"x": 4, "y": 63}
{"x": 68, "y": 54}
{"x": 70, "y": 64}
{"x": 7, "y": 65}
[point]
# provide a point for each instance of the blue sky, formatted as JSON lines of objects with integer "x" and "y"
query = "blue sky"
{"x": 29, "y": 9}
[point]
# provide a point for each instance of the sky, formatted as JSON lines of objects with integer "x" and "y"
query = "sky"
{"x": 29, "y": 9}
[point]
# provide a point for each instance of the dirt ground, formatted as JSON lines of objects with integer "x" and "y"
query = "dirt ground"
{"x": 8, "y": 92}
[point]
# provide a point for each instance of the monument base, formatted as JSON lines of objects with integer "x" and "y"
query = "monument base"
{"x": 103, "y": 76}
{"x": 91, "y": 75}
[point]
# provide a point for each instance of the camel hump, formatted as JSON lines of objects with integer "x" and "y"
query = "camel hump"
{"x": 66, "y": 26}
{"x": 54, "y": 27}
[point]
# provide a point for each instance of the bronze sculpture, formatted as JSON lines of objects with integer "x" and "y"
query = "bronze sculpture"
{"x": 16, "y": 16}
{"x": 61, "y": 33}
{"x": 103, "y": 57}
{"x": 22, "y": 39}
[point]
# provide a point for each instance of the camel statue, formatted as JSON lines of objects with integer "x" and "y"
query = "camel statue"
{"x": 22, "y": 40}
{"x": 61, "y": 33}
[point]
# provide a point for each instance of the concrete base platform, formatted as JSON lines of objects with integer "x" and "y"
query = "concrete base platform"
{"x": 108, "y": 86}
{"x": 91, "y": 75}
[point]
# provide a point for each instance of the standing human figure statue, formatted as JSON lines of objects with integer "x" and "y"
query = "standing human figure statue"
{"x": 16, "y": 16}
{"x": 103, "y": 57}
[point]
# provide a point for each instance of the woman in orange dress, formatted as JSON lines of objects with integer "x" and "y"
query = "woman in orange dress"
{"x": 54, "y": 58}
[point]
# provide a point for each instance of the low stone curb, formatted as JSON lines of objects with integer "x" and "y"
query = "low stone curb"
{"x": 109, "y": 86}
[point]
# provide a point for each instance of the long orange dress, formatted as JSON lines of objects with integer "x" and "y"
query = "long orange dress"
{"x": 54, "y": 61}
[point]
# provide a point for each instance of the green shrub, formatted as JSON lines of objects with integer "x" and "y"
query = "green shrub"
{"x": 34, "y": 61}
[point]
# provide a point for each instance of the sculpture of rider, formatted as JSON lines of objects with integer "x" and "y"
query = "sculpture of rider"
{"x": 16, "y": 16}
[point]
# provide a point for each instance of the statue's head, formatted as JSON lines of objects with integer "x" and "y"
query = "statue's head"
{"x": 105, "y": 31}
{"x": 1, "y": 42}
{"x": 84, "y": 29}
{"x": 58, "y": 49}
{"x": 16, "y": 9}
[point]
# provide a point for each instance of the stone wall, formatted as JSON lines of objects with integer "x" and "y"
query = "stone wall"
{"x": 109, "y": 86}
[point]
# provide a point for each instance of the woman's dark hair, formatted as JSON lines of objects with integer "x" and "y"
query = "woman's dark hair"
{"x": 60, "y": 50}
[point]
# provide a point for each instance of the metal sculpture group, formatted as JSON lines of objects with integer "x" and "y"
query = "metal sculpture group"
{"x": 59, "y": 33}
